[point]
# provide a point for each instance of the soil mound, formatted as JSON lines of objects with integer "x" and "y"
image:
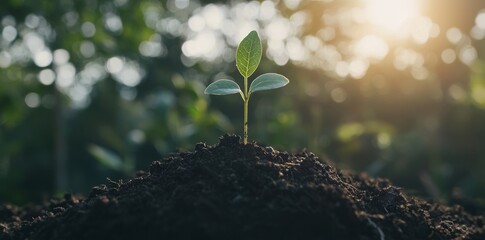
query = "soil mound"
{"x": 236, "y": 191}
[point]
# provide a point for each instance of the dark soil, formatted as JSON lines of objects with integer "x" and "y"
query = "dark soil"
{"x": 236, "y": 191}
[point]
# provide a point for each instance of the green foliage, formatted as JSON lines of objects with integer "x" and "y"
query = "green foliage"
{"x": 110, "y": 159}
{"x": 223, "y": 87}
{"x": 268, "y": 81}
{"x": 248, "y": 56}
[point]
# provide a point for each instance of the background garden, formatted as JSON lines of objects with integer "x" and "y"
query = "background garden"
{"x": 94, "y": 89}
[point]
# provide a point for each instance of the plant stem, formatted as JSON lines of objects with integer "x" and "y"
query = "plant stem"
{"x": 246, "y": 101}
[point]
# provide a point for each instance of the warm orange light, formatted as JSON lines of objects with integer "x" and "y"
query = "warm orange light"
{"x": 390, "y": 14}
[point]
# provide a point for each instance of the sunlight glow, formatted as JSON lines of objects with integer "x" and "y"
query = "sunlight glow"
{"x": 390, "y": 14}
{"x": 372, "y": 47}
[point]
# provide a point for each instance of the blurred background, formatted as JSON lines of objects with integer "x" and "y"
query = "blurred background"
{"x": 94, "y": 89}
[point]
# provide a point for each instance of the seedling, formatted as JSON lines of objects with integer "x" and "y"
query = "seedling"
{"x": 248, "y": 56}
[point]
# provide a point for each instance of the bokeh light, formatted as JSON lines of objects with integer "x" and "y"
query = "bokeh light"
{"x": 377, "y": 85}
{"x": 391, "y": 14}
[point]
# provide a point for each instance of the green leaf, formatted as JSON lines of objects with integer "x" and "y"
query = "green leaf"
{"x": 268, "y": 81}
{"x": 223, "y": 87}
{"x": 106, "y": 157}
{"x": 248, "y": 54}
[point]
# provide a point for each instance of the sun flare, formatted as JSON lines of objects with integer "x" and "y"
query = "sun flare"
{"x": 390, "y": 14}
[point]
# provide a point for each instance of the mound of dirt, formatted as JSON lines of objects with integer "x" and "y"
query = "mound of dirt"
{"x": 236, "y": 191}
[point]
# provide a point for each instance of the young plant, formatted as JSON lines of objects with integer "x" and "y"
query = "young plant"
{"x": 248, "y": 56}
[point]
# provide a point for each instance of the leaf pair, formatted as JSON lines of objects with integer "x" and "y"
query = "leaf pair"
{"x": 266, "y": 81}
{"x": 248, "y": 56}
